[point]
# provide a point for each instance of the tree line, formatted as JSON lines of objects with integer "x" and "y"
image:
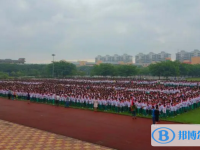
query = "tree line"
{"x": 65, "y": 69}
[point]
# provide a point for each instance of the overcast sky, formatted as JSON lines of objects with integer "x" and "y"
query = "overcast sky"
{"x": 82, "y": 29}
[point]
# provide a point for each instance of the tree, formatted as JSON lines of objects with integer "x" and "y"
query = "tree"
{"x": 184, "y": 69}
{"x": 103, "y": 70}
{"x": 114, "y": 70}
{"x": 19, "y": 74}
{"x": 13, "y": 74}
{"x": 126, "y": 70}
{"x": 155, "y": 69}
{"x": 165, "y": 68}
{"x": 62, "y": 69}
{"x": 4, "y": 75}
{"x": 144, "y": 71}
{"x": 80, "y": 73}
{"x": 86, "y": 69}
{"x": 25, "y": 69}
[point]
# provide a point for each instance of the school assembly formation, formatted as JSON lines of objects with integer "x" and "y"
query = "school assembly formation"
{"x": 118, "y": 95}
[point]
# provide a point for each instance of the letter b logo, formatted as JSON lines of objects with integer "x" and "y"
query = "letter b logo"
{"x": 163, "y": 135}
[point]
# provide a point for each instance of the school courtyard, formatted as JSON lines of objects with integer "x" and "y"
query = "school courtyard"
{"x": 26, "y": 126}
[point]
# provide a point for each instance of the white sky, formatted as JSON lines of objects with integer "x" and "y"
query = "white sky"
{"x": 83, "y": 29}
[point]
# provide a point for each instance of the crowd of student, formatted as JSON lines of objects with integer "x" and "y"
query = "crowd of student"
{"x": 116, "y": 95}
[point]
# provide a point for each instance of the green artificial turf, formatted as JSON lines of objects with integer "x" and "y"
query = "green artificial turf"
{"x": 193, "y": 79}
{"x": 191, "y": 117}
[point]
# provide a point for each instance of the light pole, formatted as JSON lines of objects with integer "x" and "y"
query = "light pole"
{"x": 53, "y": 66}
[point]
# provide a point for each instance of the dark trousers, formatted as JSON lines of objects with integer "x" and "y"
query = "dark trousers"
{"x": 57, "y": 102}
{"x": 67, "y": 104}
{"x": 9, "y": 96}
{"x": 154, "y": 120}
{"x": 133, "y": 113}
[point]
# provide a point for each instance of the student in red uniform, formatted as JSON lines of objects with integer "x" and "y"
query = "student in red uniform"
{"x": 133, "y": 110}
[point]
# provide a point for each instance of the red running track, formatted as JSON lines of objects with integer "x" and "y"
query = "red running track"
{"x": 111, "y": 130}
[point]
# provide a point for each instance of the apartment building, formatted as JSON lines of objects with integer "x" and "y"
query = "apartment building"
{"x": 116, "y": 59}
{"x": 146, "y": 59}
{"x": 191, "y": 57}
{"x": 10, "y": 61}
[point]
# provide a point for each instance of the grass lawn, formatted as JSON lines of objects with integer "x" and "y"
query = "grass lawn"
{"x": 191, "y": 117}
{"x": 193, "y": 79}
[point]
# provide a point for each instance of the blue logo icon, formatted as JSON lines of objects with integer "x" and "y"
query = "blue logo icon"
{"x": 163, "y": 135}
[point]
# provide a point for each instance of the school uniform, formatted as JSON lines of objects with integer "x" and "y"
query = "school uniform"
{"x": 67, "y": 101}
{"x": 153, "y": 116}
{"x": 57, "y": 98}
{"x": 129, "y": 107}
{"x": 164, "y": 110}
{"x": 157, "y": 115}
{"x": 95, "y": 103}
{"x": 116, "y": 106}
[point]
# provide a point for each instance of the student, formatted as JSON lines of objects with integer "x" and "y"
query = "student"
{"x": 153, "y": 114}
{"x": 95, "y": 105}
{"x": 118, "y": 106}
{"x": 133, "y": 111}
{"x": 57, "y": 100}
{"x": 53, "y": 98}
{"x": 14, "y": 97}
{"x": 121, "y": 106}
{"x": 157, "y": 114}
{"x": 28, "y": 98}
{"x": 9, "y": 94}
{"x": 67, "y": 99}
{"x": 144, "y": 109}
{"x": 160, "y": 110}
{"x": 129, "y": 107}
{"x": 164, "y": 111}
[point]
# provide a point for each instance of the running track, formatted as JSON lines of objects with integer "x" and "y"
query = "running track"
{"x": 114, "y": 131}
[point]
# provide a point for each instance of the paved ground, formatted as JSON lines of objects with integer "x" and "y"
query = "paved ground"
{"x": 18, "y": 137}
{"x": 110, "y": 130}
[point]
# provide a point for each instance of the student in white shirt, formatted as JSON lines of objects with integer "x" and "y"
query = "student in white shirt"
{"x": 164, "y": 110}
{"x": 95, "y": 105}
{"x": 57, "y": 100}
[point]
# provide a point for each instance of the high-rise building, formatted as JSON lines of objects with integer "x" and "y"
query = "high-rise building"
{"x": 184, "y": 56}
{"x": 146, "y": 59}
{"x": 116, "y": 59}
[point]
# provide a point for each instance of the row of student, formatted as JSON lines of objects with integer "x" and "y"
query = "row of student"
{"x": 131, "y": 87}
{"x": 142, "y": 107}
{"x": 172, "y": 96}
{"x": 111, "y": 81}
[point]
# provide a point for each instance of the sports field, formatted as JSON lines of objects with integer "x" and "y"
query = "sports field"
{"x": 193, "y": 79}
{"x": 110, "y": 130}
{"x": 191, "y": 117}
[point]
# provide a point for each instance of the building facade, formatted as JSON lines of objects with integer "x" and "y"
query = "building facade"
{"x": 192, "y": 57}
{"x": 195, "y": 60}
{"x": 10, "y": 61}
{"x": 146, "y": 59}
{"x": 116, "y": 59}
{"x": 81, "y": 63}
